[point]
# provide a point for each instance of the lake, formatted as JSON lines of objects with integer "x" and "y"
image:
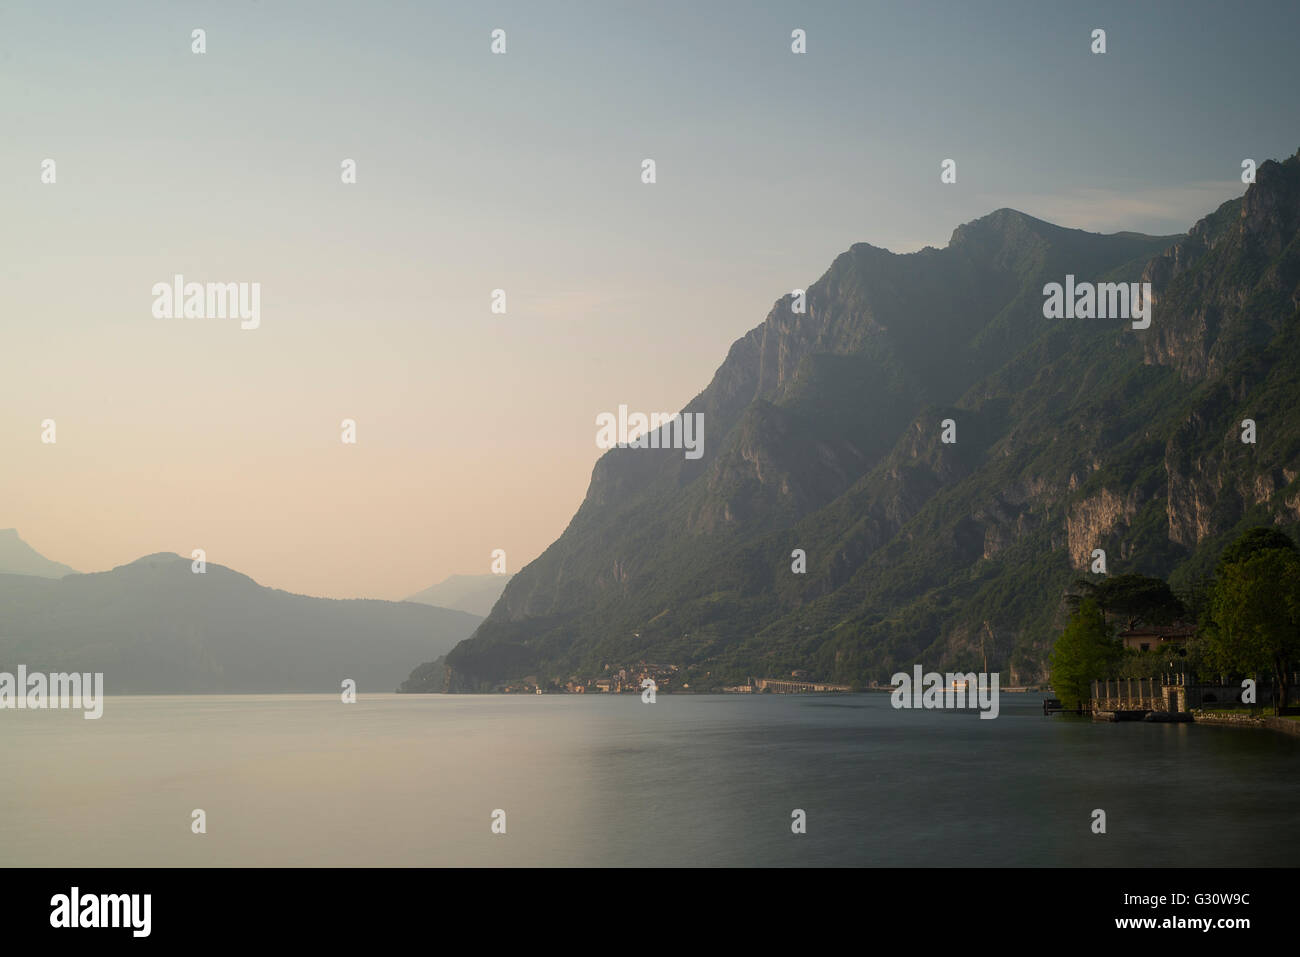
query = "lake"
{"x": 413, "y": 780}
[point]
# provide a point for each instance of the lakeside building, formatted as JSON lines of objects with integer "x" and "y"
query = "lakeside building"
{"x": 1155, "y": 637}
{"x": 791, "y": 686}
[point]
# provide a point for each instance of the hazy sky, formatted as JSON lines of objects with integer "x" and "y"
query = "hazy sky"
{"x": 522, "y": 172}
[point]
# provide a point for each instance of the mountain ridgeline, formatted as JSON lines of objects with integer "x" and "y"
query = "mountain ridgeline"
{"x": 155, "y": 627}
{"x": 824, "y": 434}
{"x": 475, "y": 594}
{"x": 19, "y": 558}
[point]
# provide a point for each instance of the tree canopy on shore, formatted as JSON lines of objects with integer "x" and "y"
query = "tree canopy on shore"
{"x": 1084, "y": 652}
{"x": 1254, "y": 607}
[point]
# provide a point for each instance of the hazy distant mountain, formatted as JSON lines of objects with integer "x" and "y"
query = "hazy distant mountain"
{"x": 154, "y": 626}
{"x": 475, "y": 594}
{"x": 19, "y": 558}
{"x": 823, "y": 433}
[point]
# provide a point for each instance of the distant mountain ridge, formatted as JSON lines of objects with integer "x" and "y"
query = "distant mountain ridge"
{"x": 19, "y": 558}
{"x": 824, "y": 434}
{"x": 154, "y": 626}
{"x": 475, "y": 594}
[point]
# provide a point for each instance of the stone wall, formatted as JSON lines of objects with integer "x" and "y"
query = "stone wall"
{"x": 1264, "y": 722}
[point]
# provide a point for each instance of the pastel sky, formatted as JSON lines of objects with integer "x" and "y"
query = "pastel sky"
{"x": 522, "y": 172}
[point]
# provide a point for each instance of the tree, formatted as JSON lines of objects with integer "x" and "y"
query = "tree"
{"x": 1252, "y": 542}
{"x": 1256, "y": 612}
{"x": 1085, "y": 652}
{"x": 1133, "y": 599}
{"x": 1195, "y": 596}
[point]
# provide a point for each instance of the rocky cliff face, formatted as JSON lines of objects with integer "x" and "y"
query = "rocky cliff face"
{"x": 1231, "y": 280}
{"x": 1093, "y": 520}
{"x": 825, "y": 433}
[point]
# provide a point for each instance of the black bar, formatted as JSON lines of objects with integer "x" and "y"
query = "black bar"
{"x": 1037, "y": 907}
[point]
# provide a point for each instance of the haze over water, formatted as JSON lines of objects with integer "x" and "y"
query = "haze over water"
{"x": 401, "y": 780}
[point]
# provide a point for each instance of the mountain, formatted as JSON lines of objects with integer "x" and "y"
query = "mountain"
{"x": 824, "y": 432}
{"x": 475, "y": 594}
{"x": 19, "y": 558}
{"x": 154, "y": 626}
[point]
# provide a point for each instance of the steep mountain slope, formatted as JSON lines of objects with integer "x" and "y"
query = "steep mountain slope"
{"x": 155, "y": 627}
{"x": 823, "y": 433}
{"x": 19, "y": 558}
{"x": 475, "y": 594}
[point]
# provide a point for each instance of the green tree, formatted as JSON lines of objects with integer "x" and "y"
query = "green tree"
{"x": 1132, "y": 599}
{"x": 1252, "y": 542}
{"x": 1085, "y": 652}
{"x": 1256, "y": 612}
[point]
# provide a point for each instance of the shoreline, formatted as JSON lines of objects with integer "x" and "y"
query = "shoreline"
{"x": 1267, "y": 722}
{"x": 1263, "y": 722}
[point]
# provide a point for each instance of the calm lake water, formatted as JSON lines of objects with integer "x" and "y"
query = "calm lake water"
{"x": 400, "y": 780}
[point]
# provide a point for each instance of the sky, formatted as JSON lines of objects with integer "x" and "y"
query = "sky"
{"x": 518, "y": 171}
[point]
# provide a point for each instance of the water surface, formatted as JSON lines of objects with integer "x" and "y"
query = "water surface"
{"x": 412, "y": 780}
